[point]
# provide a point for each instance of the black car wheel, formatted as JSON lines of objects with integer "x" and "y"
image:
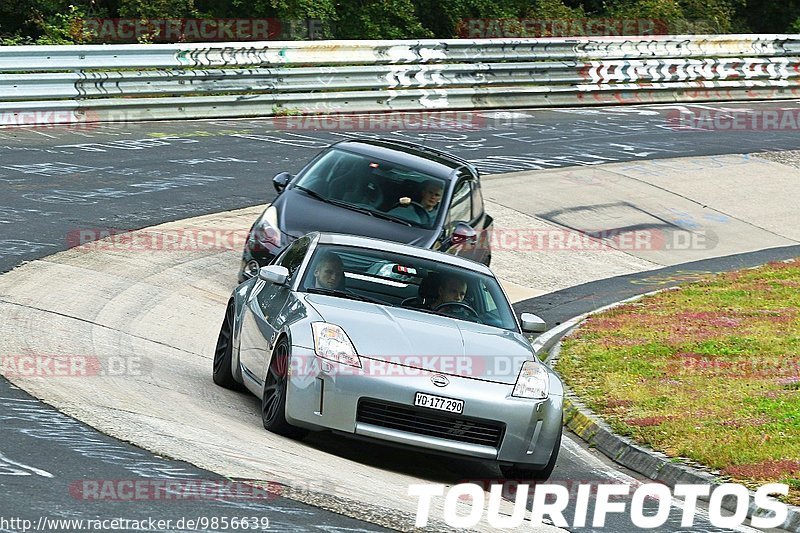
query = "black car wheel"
{"x": 525, "y": 473}
{"x": 223, "y": 369}
{"x": 273, "y": 401}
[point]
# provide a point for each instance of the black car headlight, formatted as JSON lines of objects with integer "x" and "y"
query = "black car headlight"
{"x": 250, "y": 268}
{"x": 265, "y": 235}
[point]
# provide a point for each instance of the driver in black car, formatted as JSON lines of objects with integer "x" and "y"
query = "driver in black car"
{"x": 430, "y": 196}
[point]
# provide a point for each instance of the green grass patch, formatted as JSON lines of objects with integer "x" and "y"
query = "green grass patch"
{"x": 710, "y": 371}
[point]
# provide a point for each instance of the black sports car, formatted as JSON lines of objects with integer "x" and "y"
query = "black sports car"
{"x": 386, "y": 189}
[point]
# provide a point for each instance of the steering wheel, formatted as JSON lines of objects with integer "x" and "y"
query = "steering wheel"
{"x": 422, "y": 213}
{"x": 460, "y": 307}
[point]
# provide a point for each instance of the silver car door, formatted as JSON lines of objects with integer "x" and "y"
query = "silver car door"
{"x": 260, "y": 328}
{"x": 252, "y": 345}
{"x": 265, "y": 314}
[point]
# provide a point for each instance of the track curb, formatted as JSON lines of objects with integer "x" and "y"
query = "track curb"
{"x": 645, "y": 461}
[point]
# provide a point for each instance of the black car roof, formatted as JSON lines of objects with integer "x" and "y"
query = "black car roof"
{"x": 422, "y": 158}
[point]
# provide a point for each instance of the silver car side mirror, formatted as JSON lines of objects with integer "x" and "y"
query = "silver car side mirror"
{"x": 274, "y": 274}
{"x": 532, "y": 323}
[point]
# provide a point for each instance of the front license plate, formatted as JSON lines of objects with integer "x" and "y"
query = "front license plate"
{"x": 439, "y": 402}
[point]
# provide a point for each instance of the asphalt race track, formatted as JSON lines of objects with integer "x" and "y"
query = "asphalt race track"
{"x": 57, "y": 182}
{"x": 128, "y": 176}
{"x": 70, "y": 457}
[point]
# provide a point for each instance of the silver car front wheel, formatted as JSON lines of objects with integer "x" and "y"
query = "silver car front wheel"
{"x": 273, "y": 400}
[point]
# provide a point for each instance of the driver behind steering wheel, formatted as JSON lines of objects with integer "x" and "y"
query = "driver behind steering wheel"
{"x": 452, "y": 290}
{"x": 430, "y": 196}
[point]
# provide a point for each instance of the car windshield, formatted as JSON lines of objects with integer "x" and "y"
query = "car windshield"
{"x": 406, "y": 281}
{"x": 374, "y": 186}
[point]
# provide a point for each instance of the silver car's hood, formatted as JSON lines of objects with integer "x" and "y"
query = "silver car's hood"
{"x": 423, "y": 340}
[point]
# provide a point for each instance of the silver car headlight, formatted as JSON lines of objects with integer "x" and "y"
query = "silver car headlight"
{"x": 331, "y": 342}
{"x": 265, "y": 233}
{"x": 533, "y": 381}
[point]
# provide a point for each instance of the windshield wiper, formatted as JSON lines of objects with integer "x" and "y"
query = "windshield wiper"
{"x": 313, "y": 194}
{"x": 318, "y": 196}
{"x": 385, "y": 216}
{"x": 376, "y": 214}
{"x": 342, "y": 294}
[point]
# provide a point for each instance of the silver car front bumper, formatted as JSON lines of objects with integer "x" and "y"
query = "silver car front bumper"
{"x": 327, "y": 395}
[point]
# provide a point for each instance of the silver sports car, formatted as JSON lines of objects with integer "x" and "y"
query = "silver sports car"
{"x": 396, "y": 343}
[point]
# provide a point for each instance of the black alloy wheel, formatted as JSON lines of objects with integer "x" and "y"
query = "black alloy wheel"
{"x": 273, "y": 401}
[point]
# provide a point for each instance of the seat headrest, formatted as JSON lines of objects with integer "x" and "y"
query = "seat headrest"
{"x": 429, "y": 288}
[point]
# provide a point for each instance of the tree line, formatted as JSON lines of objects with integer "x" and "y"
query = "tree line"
{"x": 107, "y": 21}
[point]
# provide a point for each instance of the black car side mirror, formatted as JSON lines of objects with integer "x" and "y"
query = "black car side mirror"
{"x": 280, "y": 181}
{"x": 463, "y": 233}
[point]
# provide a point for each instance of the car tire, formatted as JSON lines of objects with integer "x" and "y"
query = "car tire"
{"x": 524, "y": 472}
{"x": 223, "y": 353}
{"x": 273, "y": 399}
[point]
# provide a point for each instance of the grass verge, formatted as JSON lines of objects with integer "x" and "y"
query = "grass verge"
{"x": 710, "y": 372}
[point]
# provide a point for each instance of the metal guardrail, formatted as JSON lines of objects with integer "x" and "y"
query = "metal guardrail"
{"x": 139, "y": 82}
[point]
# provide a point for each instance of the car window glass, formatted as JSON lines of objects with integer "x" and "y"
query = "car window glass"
{"x": 461, "y": 204}
{"x": 375, "y": 185}
{"x": 317, "y": 176}
{"x": 477, "y": 200}
{"x": 326, "y": 271}
{"x": 337, "y": 175}
{"x": 292, "y": 258}
{"x": 413, "y": 283}
{"x": 271, "y": 299}
{"x": 488, "y": 300}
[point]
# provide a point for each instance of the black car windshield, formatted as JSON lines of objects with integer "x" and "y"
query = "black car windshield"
{"x": 407, "y": 281}
{"x": 375, "y": 186}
